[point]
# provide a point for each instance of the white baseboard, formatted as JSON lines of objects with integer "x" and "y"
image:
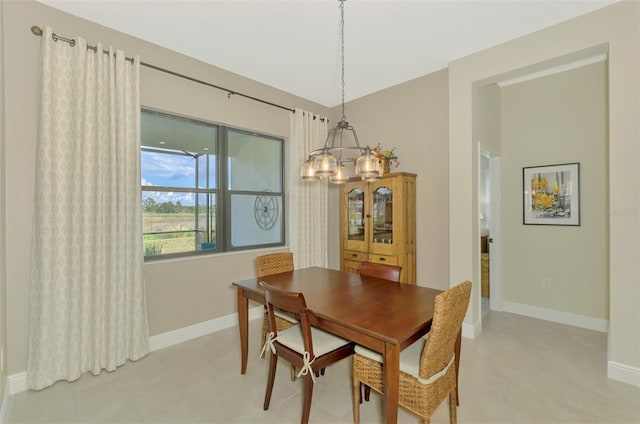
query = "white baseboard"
{"x": 471, "y": 331}
{"x": 200, "y": 329}
{"x": 623, "y": 373}
{"x": 560, "y": 317}
{"x": 17, "y": 383}
{"x": 4, "y": 409}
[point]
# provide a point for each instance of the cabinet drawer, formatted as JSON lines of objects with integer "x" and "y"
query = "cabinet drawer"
{"x": 384, "y": 259}
{"x": 352, "y": 255}
{"x": 351, "y": 266}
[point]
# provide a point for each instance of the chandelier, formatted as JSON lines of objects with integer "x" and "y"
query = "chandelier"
{"x": 330, "y": 160}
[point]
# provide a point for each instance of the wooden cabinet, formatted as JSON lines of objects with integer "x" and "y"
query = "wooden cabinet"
{"x": 484, "y": 280}
{"x": 378, "y": 223}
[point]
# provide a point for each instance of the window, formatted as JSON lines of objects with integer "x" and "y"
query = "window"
{"x": 208, "y": 188}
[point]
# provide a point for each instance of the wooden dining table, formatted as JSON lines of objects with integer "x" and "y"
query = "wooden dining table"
{"x": 381, "y": 315}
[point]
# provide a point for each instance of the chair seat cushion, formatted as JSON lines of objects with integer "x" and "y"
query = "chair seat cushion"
{"x": 323, "y": 342}
{"x": 409, "y": 360}
{"x": 409, "y": 357}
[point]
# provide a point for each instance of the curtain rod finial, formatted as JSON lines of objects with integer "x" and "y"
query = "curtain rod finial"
{"x": 36, "y": 30}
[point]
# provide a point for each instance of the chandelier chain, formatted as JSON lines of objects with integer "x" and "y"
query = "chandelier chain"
{"x": 342, "y": 52}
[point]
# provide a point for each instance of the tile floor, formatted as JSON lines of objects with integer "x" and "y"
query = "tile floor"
{"x": 520, "y": 370}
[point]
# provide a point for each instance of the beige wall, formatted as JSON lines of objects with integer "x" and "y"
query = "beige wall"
{"x": 3, "y": 280}
{"x": 486, "y": 132}
{"x": 179, "y": 292}
{"x": 412, "y": 117}
{"x": 557, "y": 119}
{"x": 618, "y": 27}
{"x": 486, "y": 118}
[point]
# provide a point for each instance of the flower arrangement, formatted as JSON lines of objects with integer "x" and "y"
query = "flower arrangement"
{"x": 387, "y": 156}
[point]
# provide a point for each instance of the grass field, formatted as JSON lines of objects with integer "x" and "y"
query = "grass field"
{"x": 179, "y": 229}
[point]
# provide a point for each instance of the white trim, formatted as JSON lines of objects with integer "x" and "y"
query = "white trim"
{"x": 471, "y": 331}
{"x": 17, "y": 383}
{"x": 554, "y": 70}
{"x": 4, "y": 409}
{"x": 561, "y": 317}
{"x": 200, "y": 329}
{"x": 623, "y": 373}
{"x": 495, "y": 233}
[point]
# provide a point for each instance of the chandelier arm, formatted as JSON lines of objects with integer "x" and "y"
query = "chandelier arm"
{"x": 326, "y": 141}
{"x": 355, "y": 136}
{"x": 316, "y": 152}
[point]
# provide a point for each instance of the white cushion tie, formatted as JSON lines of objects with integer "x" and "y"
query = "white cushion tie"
{"x": 269, "y": 344}
{"x": 306, "y": 368}
{"x": 437, "y": 375}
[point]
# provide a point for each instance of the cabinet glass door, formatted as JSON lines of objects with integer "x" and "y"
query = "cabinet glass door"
{"x": 355, "y": 209}
{"x": 383, "y": 215}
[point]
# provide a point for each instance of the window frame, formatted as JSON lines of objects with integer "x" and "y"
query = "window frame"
{"x": 227, "y": 192}
{"x": 222, "y": 192}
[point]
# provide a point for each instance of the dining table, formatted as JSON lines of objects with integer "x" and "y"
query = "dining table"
{"x": 381, "y": 315}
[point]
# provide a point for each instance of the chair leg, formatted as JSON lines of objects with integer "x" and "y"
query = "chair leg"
{"x": 357, "y": 400}
{"x": 293, "y": 373}
{"x": 367, "y": 392}
{"x": 308, "y": 392}
{"x": 264, "y": 334}
{"x": 322, "y": 371}
{"x": 453, "y": 406}
{"x": 273, "y": 363}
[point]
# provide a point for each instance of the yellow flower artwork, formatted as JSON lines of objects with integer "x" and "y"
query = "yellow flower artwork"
{"x": 550, "y": 195}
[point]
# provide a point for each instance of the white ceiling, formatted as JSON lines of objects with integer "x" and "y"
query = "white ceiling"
{"x": 294, "y": 45}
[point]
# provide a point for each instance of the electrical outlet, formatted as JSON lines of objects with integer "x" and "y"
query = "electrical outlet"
{"x": 546, "y": 283}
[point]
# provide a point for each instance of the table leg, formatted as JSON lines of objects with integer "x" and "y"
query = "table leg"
{"x": 391, "y": 382}
{"x": 243, "y": 324}
{"x": 457, "y": 363}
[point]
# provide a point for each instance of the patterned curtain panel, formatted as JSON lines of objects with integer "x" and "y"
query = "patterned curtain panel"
{"x": 308, "y": 202}
{"x": 88, "y": 307}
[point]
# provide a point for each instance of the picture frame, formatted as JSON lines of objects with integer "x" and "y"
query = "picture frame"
{"x": 551, "y": 194}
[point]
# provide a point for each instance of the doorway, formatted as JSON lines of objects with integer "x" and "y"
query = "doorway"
{"x": 489, "y": 224}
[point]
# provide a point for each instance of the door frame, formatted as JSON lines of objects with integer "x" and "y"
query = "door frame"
{"x": 495, "y": 249}
{"x": 495, "y": 236}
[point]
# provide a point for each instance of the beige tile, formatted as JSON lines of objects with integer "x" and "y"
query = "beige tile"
{"x": 108, "y": 403}
{"x": 55, "y": 404}
{"x": 520, "y": 370}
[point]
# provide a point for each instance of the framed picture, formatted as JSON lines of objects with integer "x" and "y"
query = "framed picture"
{"x": 551, "y": 194}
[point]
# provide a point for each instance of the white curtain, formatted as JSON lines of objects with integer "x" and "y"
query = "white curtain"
{"x": 87, "y": 299}
{"x": 308, "y": 202}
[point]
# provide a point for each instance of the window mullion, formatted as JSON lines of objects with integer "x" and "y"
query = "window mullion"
{"x": 224, "y": 211}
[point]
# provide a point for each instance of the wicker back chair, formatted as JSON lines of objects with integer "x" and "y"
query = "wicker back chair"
{"x": 427, "y": 367}
{"x": 387, "y": 272}
{"x": 307, "y": 348}
{"x": 275, "y": 263}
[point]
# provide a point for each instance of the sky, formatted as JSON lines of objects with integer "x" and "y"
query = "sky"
{"x": 160, "y": 169}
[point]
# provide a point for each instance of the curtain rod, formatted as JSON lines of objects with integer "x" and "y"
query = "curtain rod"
{"x": 37, "y": 31}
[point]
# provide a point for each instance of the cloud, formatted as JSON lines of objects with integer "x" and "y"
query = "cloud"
{"x": 160, "y": 169}
{"x": 186, "y": 199}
